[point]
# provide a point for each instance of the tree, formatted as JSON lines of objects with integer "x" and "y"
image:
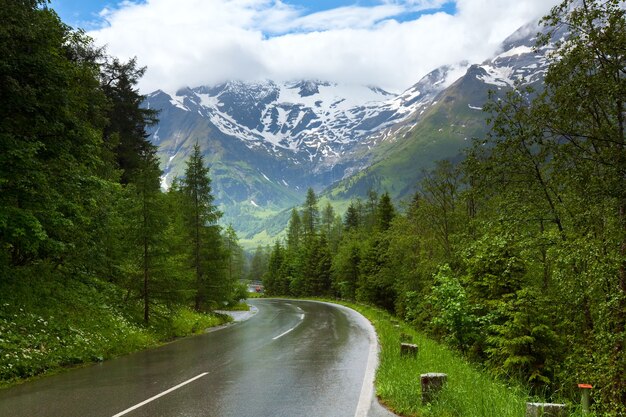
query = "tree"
{"x": 235, "y": 254}
{"x": 345, "y": 267}
{"x": 352, "y": 219}
{"x": 371, "y": 208}
{"x": 377, "y": 281}
{"x": 151, "y": 224}
{"x": 294, "y": 231}
{"x": 385, "y": 212}
{"x": 125, "y": 132}
{"x": 310, "y": 215}
{"x": 259, "y": 263}
{"x": 328, "y": 219}
{"x": 584, "y": 114}
{"x": 331, "y": 228}
{"x": 554, "y": 170}
{"x": 272, "y": 279}
{"x": 49, "y": 136}
{"x": 202, "y": 216}
{"x": 441, "y": 192}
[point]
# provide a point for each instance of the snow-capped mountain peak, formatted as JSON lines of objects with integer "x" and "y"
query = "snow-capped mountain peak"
{"x": 316, "y": 117}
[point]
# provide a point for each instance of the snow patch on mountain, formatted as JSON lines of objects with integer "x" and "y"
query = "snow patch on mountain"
{"x": 318, "y": 118}
{"x": 518, "y": 50}
{"x": 498, "y": 76}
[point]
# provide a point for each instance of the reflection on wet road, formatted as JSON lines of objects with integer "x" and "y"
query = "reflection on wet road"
{"x": 293, "y": 358}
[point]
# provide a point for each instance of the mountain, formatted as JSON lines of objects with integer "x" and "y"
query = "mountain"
{"x": 447, "y": 125}
{"x": 267, "y": 142}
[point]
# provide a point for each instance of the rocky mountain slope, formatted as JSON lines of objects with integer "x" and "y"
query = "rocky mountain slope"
{"x": 267, "y": 141}
{"x": 447, "y": 125}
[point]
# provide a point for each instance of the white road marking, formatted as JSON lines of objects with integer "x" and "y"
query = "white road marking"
{"x": 290, "y": 330}
{"x": 141, "y": 404}
{"x": 367, "y": 389}
{"x": 282, "y": 334}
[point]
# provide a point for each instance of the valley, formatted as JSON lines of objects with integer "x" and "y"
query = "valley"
{"x": 267, "y": 142}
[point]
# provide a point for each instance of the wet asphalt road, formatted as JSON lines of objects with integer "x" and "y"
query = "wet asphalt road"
{"x": 293, "y": 358}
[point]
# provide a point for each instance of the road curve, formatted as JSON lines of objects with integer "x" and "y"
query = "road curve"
{"x": 293, "y": 358}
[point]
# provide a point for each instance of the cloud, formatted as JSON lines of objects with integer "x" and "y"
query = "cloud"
{"x": 196, "y": 42}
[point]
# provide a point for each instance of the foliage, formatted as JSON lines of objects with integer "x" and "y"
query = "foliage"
{"x": 469, "y": 391}
{"x": 49, "y": 323}
{"x": 453, "y": 315}
{"x": 95, "y": 255}
{"x": 517, "y": 256}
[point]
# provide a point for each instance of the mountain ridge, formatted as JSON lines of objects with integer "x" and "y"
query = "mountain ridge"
{"x": 268, "y": 141}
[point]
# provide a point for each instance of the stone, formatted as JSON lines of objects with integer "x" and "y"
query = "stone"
{"x": 546, "y": 410}
{"x": 408, "y": 349}
{"x": 432, "y": 384}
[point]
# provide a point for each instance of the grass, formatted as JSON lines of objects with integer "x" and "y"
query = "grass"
{"x": 47, "y": 325}
{"x": 256, "y": 295}
{"x": 469, "y": 391}
{"x": 241, "y": 306}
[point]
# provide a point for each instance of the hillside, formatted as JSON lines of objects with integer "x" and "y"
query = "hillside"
{"x": 267, "y": 142}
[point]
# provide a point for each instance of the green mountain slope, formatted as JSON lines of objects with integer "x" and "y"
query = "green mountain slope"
{"x": 444, "y": 130}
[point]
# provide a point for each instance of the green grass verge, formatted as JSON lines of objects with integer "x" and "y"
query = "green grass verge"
{"x": 256, "y": 295}
{"x": 469, "y": 392}
{"x": 47, "y": 325}
{"x": 236, "y": 307}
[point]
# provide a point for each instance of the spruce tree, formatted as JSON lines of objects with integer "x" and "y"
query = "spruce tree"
{"x": 201, "y": 220}
{"x": 294, "y": 232}
{"x": 125, "y": 132}
{"x": 151, "y": 224}
{"x": 310, "y": 215}
{"x": 352, "y": 219}
{"x": 385, "y": 212}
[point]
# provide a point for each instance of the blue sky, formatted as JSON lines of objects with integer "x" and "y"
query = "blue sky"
{"x": 391, "y": 44}
{"x": 85, "y": 13}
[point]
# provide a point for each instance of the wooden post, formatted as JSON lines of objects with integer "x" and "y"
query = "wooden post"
{"x": 432, "y": 383}
{"x": 546, "y": 410}
{"x": 408, "y": 349}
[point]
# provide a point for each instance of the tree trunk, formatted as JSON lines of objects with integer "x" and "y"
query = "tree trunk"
{"x": 146, "y": 297}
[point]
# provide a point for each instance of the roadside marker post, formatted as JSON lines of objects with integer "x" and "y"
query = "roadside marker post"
{"x": 432, "y": 384}
{"x": 585, "y": 400}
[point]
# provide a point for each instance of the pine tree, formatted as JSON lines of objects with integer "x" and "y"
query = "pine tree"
{"x": 345, "y": 270}
{"x": 125, "y": 132}
{"x": 385, "y": 212}
{"x": 259, "y": 264}
{"x": 272, "y": 280}
{"x": 152, "y": 222}
{"x": 294, "y": 232}
{"x": 352, "y": 219}
{"x": 202, "y": 216}
{"x": 235, "y": 254}
{"x": 310, "y": 215}
{"x": 328, "y": 220}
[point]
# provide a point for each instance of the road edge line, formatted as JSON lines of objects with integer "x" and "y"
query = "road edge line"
{"x": 367, "y": 389}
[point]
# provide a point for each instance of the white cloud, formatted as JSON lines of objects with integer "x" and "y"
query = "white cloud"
{"x": 195, "y": 42}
